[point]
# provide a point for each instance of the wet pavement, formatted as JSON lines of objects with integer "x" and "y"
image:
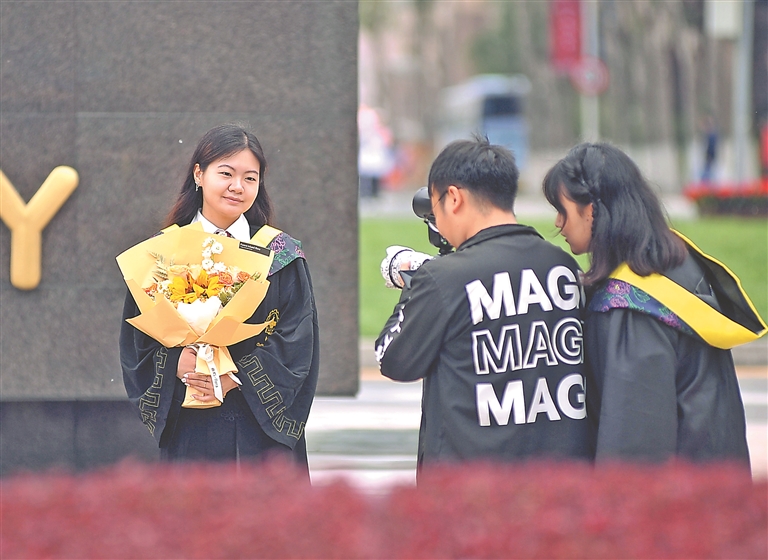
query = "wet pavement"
{"x": 528, "y": 205}
{"x": 370, "y": 439}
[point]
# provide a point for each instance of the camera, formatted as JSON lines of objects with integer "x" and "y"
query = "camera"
{"x": 422, "y": 207}
{"x": 400, "y": 264}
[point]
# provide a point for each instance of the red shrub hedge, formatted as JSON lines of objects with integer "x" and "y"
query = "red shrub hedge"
{"x": 533, "y": 510}
{"x": 575, "y": 511}
{"x": 748, "y": 198}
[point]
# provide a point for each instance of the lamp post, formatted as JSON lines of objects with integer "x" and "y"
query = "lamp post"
{"x": 742, "y": 106}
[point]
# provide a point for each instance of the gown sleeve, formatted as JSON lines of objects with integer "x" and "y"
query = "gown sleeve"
{"x": 410, "y": 342}
{"x": 633, "y": 392}
{"x": 149, "y": 375}
{"x": 279, "y": 372}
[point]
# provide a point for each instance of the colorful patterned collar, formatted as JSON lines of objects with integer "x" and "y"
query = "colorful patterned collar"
{"x": 618, "y": 294}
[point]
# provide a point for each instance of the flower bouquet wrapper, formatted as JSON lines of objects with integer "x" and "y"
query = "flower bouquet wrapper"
{"x": 159, "y": 319}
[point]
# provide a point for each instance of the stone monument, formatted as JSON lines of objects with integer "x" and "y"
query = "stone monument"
{"x": 120, "y": 92}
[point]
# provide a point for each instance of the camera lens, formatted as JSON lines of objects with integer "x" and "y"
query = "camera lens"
{"x": 422, "y": 205}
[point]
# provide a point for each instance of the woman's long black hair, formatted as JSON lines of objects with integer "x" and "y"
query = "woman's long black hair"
{"x": 629, "y": 224}
{"x": 220, "y": 142}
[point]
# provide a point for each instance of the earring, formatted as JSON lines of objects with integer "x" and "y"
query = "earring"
{"x": 197, "y": 187}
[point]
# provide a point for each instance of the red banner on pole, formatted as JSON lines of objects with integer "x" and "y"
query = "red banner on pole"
{"x": 564, "y": 33}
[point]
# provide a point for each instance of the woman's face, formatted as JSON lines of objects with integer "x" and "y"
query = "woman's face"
{"x": 575, "y": 225}
{"x": 230, "y": 186}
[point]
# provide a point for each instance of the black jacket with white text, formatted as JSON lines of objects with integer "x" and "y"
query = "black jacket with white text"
{"x": 494, "y": 331}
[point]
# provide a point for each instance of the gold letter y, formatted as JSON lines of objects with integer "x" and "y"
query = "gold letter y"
{"x": 27, "y": 221}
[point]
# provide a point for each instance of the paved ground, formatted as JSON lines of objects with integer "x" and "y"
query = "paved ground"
{"x": 371, "y": 439}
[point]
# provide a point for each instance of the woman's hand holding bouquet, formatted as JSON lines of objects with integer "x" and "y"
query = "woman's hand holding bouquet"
{"x": 204, "y": 390}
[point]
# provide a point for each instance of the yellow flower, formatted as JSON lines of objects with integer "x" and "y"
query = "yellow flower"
{"x": 180, "y": 290}
{"x": 206, "y": 286}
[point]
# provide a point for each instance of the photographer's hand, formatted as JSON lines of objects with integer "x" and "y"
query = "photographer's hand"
{"x": 400, "y": 259}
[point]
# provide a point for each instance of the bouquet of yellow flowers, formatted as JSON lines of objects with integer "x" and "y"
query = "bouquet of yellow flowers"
{"x": 194, "y": 289}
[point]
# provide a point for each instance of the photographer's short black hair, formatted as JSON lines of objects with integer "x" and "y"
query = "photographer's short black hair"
{"x": 487, "y": 170}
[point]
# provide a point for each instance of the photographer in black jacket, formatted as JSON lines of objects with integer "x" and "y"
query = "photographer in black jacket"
{"x": 493, "y": 328}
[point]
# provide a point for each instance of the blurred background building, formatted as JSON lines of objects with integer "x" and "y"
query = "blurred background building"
{"x": 665, "y": 77}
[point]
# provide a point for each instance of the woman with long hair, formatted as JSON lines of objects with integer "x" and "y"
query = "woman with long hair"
{"x": 267, "y": 402}
{"x": 660, "y": 321}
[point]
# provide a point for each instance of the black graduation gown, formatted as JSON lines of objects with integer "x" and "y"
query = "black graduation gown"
{"x": 656, "y": 390}
{"x": 278, "y": 370}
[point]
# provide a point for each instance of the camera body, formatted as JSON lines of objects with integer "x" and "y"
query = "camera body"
{"x": 400, "y": 264}
{"x": 422, "y": 207}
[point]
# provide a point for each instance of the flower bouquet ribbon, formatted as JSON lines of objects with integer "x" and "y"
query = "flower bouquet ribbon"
{"x": 193, "y": 288}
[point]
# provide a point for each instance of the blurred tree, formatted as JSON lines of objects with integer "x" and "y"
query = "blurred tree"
{"x": 373, "y": 14}
{"x": 760, "y": 70}
{"x": 375, "y": 18}
{"x": 497, "y": 50}
{"x": 425, "y": 79}
{"x": 517, "y": 42}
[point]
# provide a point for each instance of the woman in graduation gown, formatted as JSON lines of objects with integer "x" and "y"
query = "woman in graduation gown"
{"x": 661, "y": 318}
{"x": 277, "y": 370}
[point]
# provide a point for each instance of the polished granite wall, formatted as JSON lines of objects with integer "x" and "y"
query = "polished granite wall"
{"x": 121, "y": 91}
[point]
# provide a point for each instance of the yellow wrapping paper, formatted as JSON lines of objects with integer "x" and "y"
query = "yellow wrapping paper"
{"x": 160, "y": 320}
